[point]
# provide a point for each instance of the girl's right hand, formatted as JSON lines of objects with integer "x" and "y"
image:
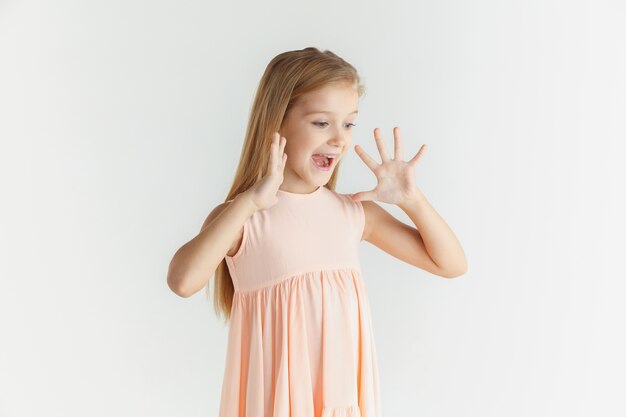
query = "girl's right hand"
{"x": 263, "y": 193}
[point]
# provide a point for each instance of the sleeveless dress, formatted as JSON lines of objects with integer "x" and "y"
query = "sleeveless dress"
{"x": 300, "y": 340}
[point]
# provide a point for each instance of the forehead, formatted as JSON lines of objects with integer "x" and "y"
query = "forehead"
{"x": 341, "y": 99}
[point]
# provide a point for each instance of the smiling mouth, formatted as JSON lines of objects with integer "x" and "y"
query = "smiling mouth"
{"x": 323, "y": 161}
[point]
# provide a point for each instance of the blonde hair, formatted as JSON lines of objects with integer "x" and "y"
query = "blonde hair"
{"x": 287, "y": 77}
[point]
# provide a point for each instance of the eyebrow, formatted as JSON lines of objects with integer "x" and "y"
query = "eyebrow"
{"x": 325, "y": 111}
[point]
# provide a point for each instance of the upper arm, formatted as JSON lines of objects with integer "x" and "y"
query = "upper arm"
{"x": 396, "y": 238}
{"x": 212, "y": 215}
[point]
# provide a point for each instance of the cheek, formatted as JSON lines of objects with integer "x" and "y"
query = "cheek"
{"x": 300, "y": 148}
{"x": 296, "y": 155}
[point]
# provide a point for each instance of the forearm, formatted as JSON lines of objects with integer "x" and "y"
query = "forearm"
{"x": 442, "y": 245}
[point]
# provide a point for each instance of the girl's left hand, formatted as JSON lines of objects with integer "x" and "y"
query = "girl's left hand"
{"x": 396, "y": 178}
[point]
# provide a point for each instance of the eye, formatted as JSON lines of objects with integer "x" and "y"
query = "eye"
{"x": 325, "y": 123}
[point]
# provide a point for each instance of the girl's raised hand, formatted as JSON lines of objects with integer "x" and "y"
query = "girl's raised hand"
{"x": 263, "y": 193}
{"x": 396, "y": 178}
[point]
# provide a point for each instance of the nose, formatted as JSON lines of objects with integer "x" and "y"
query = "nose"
{"x": 340, "y": 138}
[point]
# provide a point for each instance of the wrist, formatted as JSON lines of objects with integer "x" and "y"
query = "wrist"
{"x": 416, "y": 197}
{"x": 244, "y": 200}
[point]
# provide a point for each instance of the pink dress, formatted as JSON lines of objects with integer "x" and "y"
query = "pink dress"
{"x": 300, "y": 339}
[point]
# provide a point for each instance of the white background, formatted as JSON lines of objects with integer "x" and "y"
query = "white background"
{"x": 121, "y": 125}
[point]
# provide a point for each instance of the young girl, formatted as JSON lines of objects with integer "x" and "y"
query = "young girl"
{"x": 284, "y": 247}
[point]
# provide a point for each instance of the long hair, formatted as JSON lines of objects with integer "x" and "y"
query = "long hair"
{"x": 288, "y": 76}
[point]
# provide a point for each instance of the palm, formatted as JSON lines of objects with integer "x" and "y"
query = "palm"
{"x": 395, "y": 177}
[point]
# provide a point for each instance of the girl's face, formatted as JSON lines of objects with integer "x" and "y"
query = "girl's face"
{"x": 319, "y": 123}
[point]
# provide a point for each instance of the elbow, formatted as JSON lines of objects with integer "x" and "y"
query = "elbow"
{"x": 457, "y": 272}
{"x": 177, "y": 288}
{"x": 450, "y": 271}
{"x": 454, "y": 274}
{"x": 176, "y": 283}
{"x": 184, "y": 285}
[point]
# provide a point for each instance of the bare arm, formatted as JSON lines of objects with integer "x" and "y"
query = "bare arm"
{"x": 196, "y": 261}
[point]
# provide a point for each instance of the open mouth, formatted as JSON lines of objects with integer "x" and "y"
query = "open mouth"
{"x": 324, "y": 162}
